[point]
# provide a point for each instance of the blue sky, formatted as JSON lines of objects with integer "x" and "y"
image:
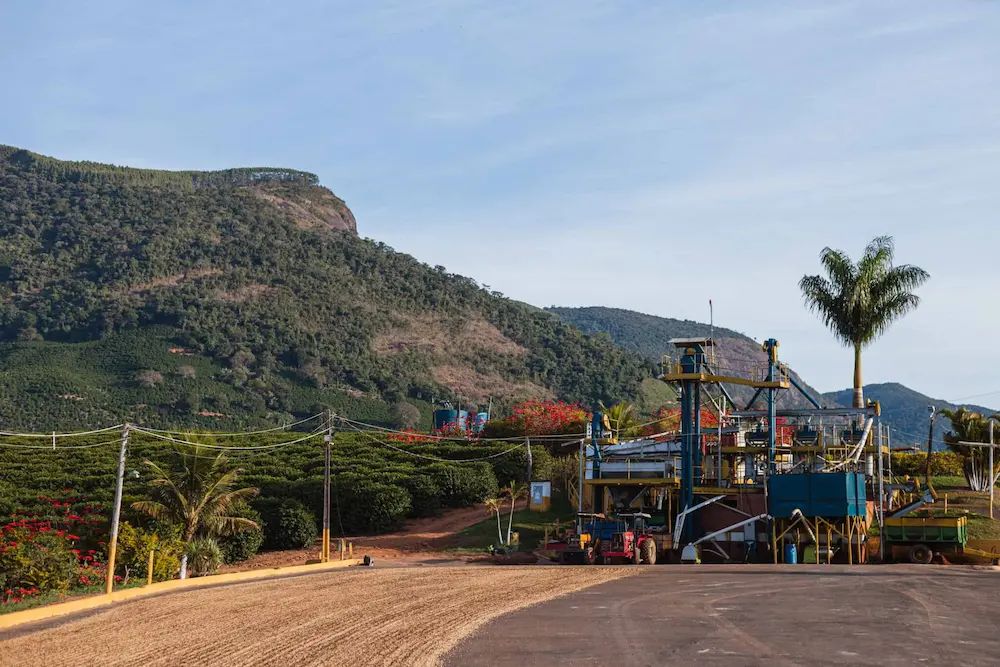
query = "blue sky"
{"x": 642, "y": 155}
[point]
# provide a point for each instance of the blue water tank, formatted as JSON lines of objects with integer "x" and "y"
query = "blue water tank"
{"x": 480, "y": 422}
{"x": 791, "y": 553}
{"x": 444, "y": 417}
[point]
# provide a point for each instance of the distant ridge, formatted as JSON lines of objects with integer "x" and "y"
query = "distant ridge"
{"x": 649, "y": 335}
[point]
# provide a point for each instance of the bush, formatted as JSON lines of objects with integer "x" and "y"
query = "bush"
{"x": 466, "y": 484}
{"x": 287, "y": 523}
{"x": 240, "y": 546}
{"x": 33, "y": 562}
{"x": 942, "y": 463}
{"x": 134, "y": 545}
{"x": 204, "y": 556}
{"x": 405, "y": 415}
{"x": 370, "y": 507}
{"x": 425, "y": 495}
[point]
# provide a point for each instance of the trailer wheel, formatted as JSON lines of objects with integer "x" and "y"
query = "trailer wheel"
{"x": 921, "y": 554}
{"x": 649, "y": 552}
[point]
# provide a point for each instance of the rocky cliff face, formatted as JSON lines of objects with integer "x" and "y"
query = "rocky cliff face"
{"x": 312, "y": 207}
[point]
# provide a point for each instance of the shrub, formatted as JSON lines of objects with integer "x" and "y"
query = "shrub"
{"x": 405, "y": 415}
{"x": 369, "y": 507}
{"x": 465, "y": 484}
{"x": 47, "y": 552}
{"x": 134, "y": 545}
{"x": 240, "y": 546}
{"x": 35, "y": 560}
{"x": 425, "y": 495}
{"x": 942, "y": 463}
{"x": 204, "y": 556}
{"x": 287, "y": 523}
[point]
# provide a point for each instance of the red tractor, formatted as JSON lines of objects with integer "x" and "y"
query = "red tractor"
{"x": 624, "y": 538}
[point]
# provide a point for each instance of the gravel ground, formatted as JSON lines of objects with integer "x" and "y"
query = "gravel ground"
{"x": 400, "y": 616}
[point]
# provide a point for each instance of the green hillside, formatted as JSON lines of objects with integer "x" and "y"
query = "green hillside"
{"x": 649, "y": 335}
{"x": 245, "y": 296}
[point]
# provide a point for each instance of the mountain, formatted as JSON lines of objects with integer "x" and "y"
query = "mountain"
{"x": 244, "y": 296}
{"x": 905, "y": 411}
{"x": 649, "y": 335}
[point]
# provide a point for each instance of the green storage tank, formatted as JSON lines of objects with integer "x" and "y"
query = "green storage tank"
{"x": 827, "y": 494}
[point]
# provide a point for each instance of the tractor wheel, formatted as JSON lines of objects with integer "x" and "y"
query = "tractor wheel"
{"x": 648, "y": 550}
{"x": 921, "y": 554}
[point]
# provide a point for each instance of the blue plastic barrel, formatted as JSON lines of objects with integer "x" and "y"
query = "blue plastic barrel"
{"x": 791, "y": 553}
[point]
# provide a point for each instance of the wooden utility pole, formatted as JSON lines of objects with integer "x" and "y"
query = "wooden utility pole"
{"x": 109, "y": 578}
{"x": 327, "y": 441}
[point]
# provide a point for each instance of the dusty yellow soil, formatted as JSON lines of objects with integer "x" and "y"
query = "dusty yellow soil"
{"x": 403, "y": 616}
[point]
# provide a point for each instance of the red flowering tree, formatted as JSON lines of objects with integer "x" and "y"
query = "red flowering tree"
{"x": 537, "y": 417}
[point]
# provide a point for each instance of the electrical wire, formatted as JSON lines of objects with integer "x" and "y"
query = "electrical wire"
{"x": 50, "y": 436}
{"x": 245, "y": 433}
{"x": 374, "y": 427}
{"x": 50, "y": 448}
{"x": 437, "y": 458}
{"x": 227, "y": 448}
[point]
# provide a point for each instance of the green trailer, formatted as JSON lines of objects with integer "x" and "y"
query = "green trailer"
{"x": 917, "y": 539}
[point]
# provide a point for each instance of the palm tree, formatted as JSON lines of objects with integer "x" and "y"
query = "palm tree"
{"x": 198, "y": 493}
{"x": 515, "y": 493}
{"x": 970, "y": 426}
{"x": 494, "y": 506}
{"x": 859, "y": 301}
{"x": 621, "y": 417}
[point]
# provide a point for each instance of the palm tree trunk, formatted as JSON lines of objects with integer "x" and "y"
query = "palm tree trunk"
{"x": 510, "y": 519}
{"x": 859, "y": 392}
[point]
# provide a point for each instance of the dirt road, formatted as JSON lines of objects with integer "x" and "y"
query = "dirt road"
{"x": 755, "y": 615}
{"x": 418, "y": 540}
{"x": 403, "y": 616}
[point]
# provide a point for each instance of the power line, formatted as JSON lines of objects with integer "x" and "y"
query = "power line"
{"x": 374, "y": 427}
{"x": 244, "y": 433}
{"x": 50, "y": 448}
{"x": 202, "y": 445}
{"x": 436, "y": 458}
{"x": 55, "y": 435}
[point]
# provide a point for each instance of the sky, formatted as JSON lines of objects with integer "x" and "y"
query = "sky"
{"x": 641, "y": 155}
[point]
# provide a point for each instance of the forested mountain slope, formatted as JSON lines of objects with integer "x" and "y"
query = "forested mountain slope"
{"x": 245, "y": 295}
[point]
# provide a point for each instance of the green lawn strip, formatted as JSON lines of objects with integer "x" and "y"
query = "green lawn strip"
{"x": 529, "y": 525}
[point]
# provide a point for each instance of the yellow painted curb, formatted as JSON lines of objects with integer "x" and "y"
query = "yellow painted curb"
{"x": 95, "y": 601}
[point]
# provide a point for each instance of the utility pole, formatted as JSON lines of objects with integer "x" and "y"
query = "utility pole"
{"x": 109, "y": 577}
{"x": 930, "y": 447}
{"x": 327, "y": 442}
{"x": 527, "y": 442}
{"x": 992, "y": 479}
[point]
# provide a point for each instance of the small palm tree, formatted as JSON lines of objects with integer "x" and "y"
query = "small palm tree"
{"x": 970, "y": 426}
{"x": 622, "y": 418}
{"x": 495, "y": 506}
{"x": 198, "y": 493}
{"x": 514, "y": 492}
{"x": 859, "y": 301}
